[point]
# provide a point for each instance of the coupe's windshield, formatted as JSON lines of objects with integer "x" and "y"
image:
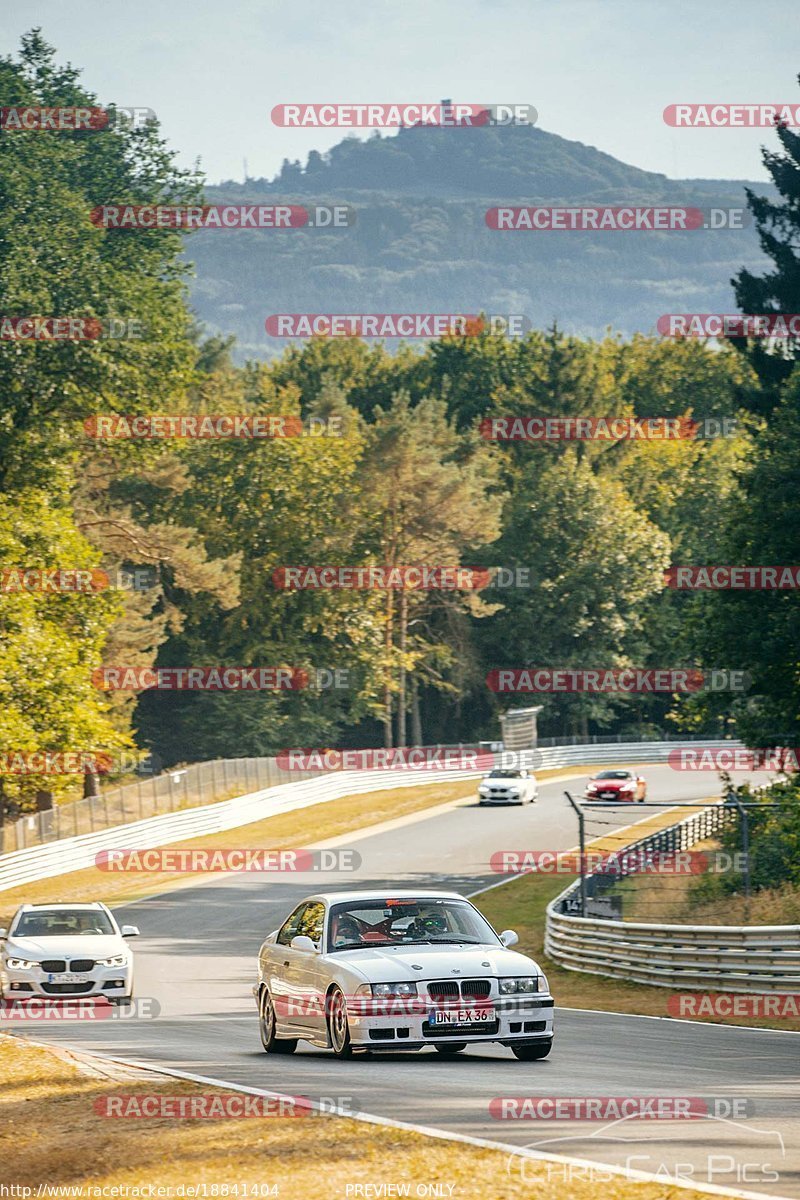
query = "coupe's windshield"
{"x": 613, "y": 775}
{"x": 500, "y": 774}
{"x": 399, "y": 922}
{"x": 63, "y": 922}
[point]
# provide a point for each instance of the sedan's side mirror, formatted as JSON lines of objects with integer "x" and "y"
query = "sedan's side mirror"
{"x": 3, "y": 934}
{"x": 130, "y": 930}
{"x": 509, "y": 937}
{"x": 301, "y": 942}
{"x": 272, "y": 937}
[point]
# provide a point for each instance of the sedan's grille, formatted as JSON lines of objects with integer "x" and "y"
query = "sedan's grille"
{"x": 82, "y": 964}
{"x": 54, "y": 964}
{"x": 66, "y": 989}
{"x": 452, "y": 989}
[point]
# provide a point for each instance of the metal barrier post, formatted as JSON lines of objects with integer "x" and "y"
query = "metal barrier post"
{"x": 582, "y": 844}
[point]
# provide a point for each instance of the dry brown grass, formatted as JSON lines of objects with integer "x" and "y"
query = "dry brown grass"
{"x": 50, "y": 1133}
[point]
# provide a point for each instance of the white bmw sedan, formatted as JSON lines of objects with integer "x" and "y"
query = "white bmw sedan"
{"x": 60, "y": 950}
{"x": 398, "y": 971}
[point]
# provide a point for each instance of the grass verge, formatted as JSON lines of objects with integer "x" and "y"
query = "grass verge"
{"x": 52, "y": 1134}
{"x": 521, "y": 905}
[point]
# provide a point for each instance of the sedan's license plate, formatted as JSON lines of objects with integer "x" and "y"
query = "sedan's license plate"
{"x": 68, "y": 977}
{"x": 461, "y": 1016}
{"x": 608, "y": 795}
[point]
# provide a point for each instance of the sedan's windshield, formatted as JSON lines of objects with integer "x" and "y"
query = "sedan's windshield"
{"x": 399, "y": 922}
{"x": 613, "y": 775}
{"x": 499, "y": 774}
{"x": 63, "y": 922}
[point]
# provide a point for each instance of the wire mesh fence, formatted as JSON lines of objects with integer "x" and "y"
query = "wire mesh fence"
{"x": 178, "y": 788}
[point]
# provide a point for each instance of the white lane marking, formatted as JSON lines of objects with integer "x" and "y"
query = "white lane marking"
{"x": 607, "y": 1012}
{"x": 449, "y": 1136}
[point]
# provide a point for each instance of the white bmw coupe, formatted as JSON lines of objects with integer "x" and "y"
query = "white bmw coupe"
{"x": 398, "y": 971}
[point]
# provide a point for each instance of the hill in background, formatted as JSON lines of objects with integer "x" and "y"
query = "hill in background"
{"x": 420, "y": 242}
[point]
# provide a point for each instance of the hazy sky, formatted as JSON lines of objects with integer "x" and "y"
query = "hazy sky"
{"x": 598, "y": 71}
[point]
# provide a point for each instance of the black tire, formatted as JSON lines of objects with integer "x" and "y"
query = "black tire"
{"x": 338, "y": 1027}
{"x": 120, "y": 1000}
{"x": 532, "y": 1053}
{"x": 266, "y": 1028}
{"x": 451, "y": 1049}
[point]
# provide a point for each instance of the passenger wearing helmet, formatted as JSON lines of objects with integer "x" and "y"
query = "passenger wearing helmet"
{"x": 345, "y": 930}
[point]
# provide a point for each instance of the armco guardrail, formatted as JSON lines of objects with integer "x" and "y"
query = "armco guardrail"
{"x": 75, "y": 853}
{"x": 729, "y": 958}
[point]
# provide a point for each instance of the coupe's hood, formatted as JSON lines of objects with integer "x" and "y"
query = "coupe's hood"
{"x": 381, "y": 964}
{"x": 83, "y": 946}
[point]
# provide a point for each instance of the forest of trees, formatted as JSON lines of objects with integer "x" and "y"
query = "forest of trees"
{"x": 411, "y": 480}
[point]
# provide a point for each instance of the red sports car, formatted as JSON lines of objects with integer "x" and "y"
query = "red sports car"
{"x": 616, "y": 785}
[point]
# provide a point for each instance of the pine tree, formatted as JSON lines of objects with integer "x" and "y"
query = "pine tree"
{"x": 778, "y": 224}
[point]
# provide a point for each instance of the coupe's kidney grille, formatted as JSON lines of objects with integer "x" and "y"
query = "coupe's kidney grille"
{"x": 82, "y": 964}
{"x": 444, "y": 989}
{"x": 452, "y": 989}
{"x": 54, "y": 964}
{"x": 476, "y": 988}
{"x": 66, "y": 989}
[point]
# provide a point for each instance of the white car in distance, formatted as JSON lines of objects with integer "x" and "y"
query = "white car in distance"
{"x": 508, "y": 785}
{"x": 368, "y": 970}
{"x": 66, "y": 950}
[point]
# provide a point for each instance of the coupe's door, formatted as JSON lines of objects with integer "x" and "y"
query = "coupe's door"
{"x": 281, "y": 972}
{"x": 308, "y": 975}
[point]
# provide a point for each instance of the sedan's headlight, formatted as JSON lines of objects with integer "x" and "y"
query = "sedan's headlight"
{"x": 521, "y": 983}
{"x": 483, "y": 789}
{"x": 20, "y": 964}
{"x": 394, "y": 989}
{"x": 116, "y": 960}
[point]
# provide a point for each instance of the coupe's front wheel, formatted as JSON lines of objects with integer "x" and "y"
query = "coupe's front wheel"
{"x": 338, "y": 1027}
{"x": 532, "y": 1053}
{"x": 450, "y": 1049}
{"x": 266, "y": 1028}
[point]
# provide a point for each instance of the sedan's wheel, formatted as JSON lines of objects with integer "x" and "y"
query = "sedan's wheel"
{"x": 266, "y": 1028}
{"x": 532, "y": 1053}
{"x": 450, "y": 1049}
{"x": 338, "y": 1028}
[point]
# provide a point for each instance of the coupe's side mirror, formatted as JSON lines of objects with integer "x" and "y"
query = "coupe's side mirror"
{"x": 3, "y": 934}
{"x": 301, "y": 942}
{"x": 130, "y": 930}
{"x": 509, "y": 938}
{"x": 272, "y": 937}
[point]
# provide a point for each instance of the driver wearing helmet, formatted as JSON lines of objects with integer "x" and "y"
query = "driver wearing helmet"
{"x": 427, "y": 925}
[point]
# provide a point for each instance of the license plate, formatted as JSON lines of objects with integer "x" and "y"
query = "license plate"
{"x": 68, "y": 977}
{"x": 461, "y": 1016}
{"x": 607, "y": 795}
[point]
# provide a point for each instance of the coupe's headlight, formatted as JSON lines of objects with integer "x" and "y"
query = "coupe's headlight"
{"x": 522, "y": 983}
{"x": 20, "y": 964}
{"x": 483, "y": 789}
{"x": 394, "y": 989}
{"x": 544, "y": 986}
{"x": 116, "y": 960}
{"x": 513, "y": 791}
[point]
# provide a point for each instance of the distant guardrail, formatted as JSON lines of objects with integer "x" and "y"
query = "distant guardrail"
{"x": 729, "y": 958}
{"x": 77, "y": 852}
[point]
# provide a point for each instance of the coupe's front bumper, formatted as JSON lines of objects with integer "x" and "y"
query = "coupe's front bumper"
{"x": 408, "y": 1024}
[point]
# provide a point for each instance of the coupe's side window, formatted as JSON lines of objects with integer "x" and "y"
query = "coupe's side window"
{"x": 312, "y": 921}
{"x": 289, "y": 928}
